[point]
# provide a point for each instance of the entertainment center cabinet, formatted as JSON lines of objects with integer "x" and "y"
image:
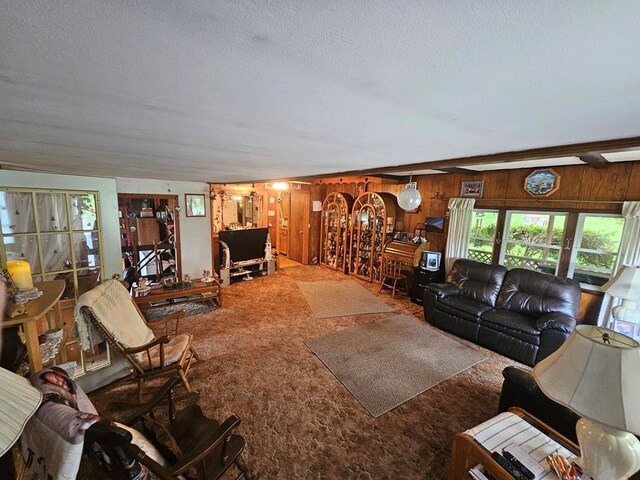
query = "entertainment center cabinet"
{"x": 242, "y": 254}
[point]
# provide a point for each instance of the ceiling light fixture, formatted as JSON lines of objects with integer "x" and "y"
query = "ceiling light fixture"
{"x": 280, "y": 186}
{"x": 409, "y": 198}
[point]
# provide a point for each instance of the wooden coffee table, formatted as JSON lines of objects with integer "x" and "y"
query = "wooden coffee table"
{"x": 196, "y": 291}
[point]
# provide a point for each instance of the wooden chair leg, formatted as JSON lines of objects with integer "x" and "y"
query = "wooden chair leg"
{"x": 185, "y": 382}
{"x": 393, "y": 292}
{"x": 243, "y": 469}
{"x": 140, "y": 387}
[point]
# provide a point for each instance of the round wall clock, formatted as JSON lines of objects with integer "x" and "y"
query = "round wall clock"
{"x": 542, "y": 183}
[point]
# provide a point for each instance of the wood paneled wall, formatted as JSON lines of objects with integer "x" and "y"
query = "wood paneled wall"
{"x": 582, "y": 187}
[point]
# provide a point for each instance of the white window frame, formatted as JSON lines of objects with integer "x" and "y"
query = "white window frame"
{"x": 505, "y": 233}
{"x": 83, "y": 366}
{"x": 578, "y": 240}
{"x": 472, "y": 237}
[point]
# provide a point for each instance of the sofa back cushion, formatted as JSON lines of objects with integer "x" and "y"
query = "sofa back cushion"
{"x": 536, "y": 293}
{"x": 476, "y": 280}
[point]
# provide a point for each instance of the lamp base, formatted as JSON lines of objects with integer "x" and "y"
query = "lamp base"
{"x": 607, "y": 453}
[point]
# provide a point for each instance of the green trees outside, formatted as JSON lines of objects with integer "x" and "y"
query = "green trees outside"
{"x": 603, "y": 241}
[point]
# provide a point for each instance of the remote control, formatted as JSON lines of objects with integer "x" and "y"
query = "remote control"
{"x": 524, "y": 470}
{"x": 508, "y": 466}
{"x": 526, "y": 460}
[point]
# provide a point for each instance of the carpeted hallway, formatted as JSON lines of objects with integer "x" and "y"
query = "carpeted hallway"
{"x": 299, "y": 421}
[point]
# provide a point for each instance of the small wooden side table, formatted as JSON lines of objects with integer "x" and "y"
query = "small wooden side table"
{"x": 197, "y": 291}
{"x": 467, "y": 452}
{"x": 36, "y": 309}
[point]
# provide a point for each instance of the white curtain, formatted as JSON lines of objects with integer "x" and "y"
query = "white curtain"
{"x": 629, "y": 254}
{"x": 460, "y": 214}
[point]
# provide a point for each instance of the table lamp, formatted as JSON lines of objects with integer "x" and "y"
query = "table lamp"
{"x": 595, "y": 374}
{"x": 625, "y": 285}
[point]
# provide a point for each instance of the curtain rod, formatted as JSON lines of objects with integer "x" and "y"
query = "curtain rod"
{"x": 546, "y": 200}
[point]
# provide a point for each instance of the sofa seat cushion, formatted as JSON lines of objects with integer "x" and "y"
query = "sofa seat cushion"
{"x": 457, "y": 305}
{"x": 517, "y": 325}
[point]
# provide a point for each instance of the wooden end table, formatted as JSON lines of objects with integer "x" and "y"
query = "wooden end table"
{"x": 36, "y": 309}
{"x": 196, "y": 291}
{"x": 467, "y": 452}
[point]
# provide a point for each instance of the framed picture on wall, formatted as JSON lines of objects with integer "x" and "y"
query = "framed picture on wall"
{"x": 195, "y": 203}
{"x": 472, "y": 188}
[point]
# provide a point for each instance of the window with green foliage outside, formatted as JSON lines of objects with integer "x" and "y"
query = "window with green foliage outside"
{"x": 483, "y": 235}
{"x": 533, "y": 240}
{"x": 596, "y": 248}
{"x": 542, "y": 241}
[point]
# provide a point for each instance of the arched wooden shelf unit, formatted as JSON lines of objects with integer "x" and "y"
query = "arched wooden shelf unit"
{"x": 373, "y": 218}
{"x": 334, "y": 231}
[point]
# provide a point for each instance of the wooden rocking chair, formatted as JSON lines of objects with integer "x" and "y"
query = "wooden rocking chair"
{"x": 112, "y": 311}
{"x": 201, "y": 448}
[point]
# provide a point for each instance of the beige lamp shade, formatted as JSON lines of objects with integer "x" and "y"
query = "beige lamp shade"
{"x": 19, "y": 400}
{"x": 625, "y": 284}
{"x": 595, "y": 374}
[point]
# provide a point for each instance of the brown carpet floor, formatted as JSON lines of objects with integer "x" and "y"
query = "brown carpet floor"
{"x": 298, "y": 420}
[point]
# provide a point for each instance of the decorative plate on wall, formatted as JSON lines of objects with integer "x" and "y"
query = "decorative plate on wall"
{"x": 542, "y": 183}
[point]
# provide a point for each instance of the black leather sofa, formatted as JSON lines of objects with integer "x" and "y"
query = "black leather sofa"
{"x": 522, "y": 314}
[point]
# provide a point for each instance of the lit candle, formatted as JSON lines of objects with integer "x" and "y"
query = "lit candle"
{"x": 20, "y": 272}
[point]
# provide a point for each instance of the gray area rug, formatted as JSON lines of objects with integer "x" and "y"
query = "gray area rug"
{"x": 340, "y": 298}
{"x": 387, "y": 362}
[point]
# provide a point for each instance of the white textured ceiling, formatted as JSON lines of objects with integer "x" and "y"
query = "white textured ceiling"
{"x": 236, "y": 90}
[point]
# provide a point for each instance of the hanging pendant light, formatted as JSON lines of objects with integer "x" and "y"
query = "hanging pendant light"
{"x": 409, "y": 198}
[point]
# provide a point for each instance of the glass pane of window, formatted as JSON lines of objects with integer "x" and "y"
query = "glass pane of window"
{"x": 534, "y": 241}
{"x": 597, "y": 250}
{"x": 483, "y": 234}
{"x": 537, "y": 228}
{"x": 97, "y": 357}
{"x": 86, "y": 249}
{"x": 541, "y": 259}
{"x": 83, "y": 212}
{"x": 87, "y": 279}
{"x": 52, "y": 212}
{"x": 16, "y": 212}
{"x": 56, "y": 251}
{"x": 23, "y": 247}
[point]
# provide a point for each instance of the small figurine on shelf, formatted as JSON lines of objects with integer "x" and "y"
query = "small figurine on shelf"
{"x": 267, "y": 250}
{"x": 207, "y": 277}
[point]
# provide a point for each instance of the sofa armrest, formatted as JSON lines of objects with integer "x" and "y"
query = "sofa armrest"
{"x": 556, "y": 321}
{"x": 441, "y": 290}
{"x": 520, "y": 389}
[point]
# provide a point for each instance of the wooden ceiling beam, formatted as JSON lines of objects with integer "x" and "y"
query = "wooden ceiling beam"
{"x": 595, "y": 160}
{"x": 569, "y": 150}
{"x": 464, "y": 171}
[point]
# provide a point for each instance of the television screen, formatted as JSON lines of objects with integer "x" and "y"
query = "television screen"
{"x": 434, "y": 224}
{"x": 430, "y": 260}
{"x": 247, "y": 244}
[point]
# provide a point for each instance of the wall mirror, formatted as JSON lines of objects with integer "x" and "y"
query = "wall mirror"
{"x": 235, "y": 211}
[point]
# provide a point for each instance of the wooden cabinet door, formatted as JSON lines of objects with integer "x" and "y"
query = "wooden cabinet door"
{"x": 299, "y": 227}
